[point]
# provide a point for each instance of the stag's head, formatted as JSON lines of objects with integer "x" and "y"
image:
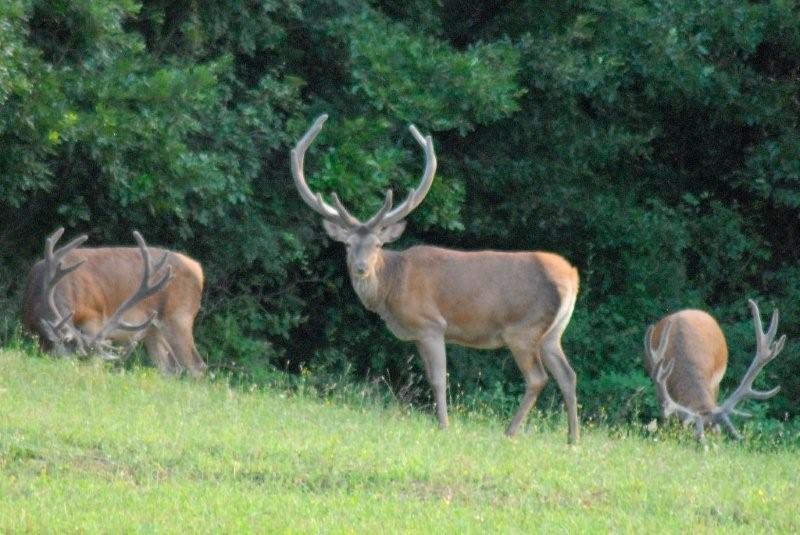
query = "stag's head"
{"x": 362, "y": 239}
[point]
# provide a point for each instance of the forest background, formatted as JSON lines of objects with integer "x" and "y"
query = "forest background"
{"x": 653, "y": 144}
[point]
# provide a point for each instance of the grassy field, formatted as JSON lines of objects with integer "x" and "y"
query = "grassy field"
{"x": 85, "y": 448}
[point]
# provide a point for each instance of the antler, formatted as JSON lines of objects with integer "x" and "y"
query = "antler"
{"x": 385, "y": 216}
{"x": 766, "y": 350}
{"x": 662, "y": 371}
{"x": 99, "y": 341}
{"x": 338, "y": 213}
{"x": 60, "y": 330}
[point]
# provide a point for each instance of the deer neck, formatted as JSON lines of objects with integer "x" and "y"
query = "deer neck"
{"x": 373, "y": 290}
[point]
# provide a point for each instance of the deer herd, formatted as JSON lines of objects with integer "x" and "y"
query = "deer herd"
{"x": 103, "y": 301}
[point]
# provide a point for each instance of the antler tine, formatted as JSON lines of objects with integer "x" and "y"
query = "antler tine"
{"x": 773, "y": 324}
{"x": 419, "y": 137}
{"x": 347, "y": 216}
{"x": 52, "y": 259}
{"x": 161, "y": 261}
{"x": 662, "y": 372}
{"x": 148, "y": 265}
{"x": 759, "y": 327}
{"x": 415, "y": 195}
{"x": 144, "y": 291}
{"x": 725, "y": 420}
{"x": 656, "y": 355}
{"x": 314, "y": 201}
{"x": 766, "y": 351}
{"x": 51, "y": 241}
{"x": 648, "y": 344}
{"x": 378, "y": 217}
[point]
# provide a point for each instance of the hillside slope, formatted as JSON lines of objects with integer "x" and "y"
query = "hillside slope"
{"x": 90, "y": 449}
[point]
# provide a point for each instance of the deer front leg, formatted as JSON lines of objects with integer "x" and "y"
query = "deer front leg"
{"x": 434, "y": 357}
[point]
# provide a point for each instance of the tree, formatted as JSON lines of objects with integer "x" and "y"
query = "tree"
{"x": 653, "y": 145}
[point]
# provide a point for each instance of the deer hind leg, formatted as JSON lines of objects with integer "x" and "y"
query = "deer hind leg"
{"x": 530, "y": 364}
{"x": 199, "y": 364}
{"x": 556, "y": 363}
{"x": 178, "y": 333}
{"x": 434, "y": 357}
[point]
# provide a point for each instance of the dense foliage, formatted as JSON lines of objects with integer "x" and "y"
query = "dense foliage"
{"x": 655, "y": 145}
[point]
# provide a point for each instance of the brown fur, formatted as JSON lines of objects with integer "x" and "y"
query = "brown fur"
{"x": 701, "y": 356}
{"x": 108, "y": 276}
{"x": 437, "y": 287}
{"x": 481, "y": 299}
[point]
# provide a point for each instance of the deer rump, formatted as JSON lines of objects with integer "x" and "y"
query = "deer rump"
{"x": 106, "y": 278}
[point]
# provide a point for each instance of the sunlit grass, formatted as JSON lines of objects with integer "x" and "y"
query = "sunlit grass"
{"x": 86, "y": 448}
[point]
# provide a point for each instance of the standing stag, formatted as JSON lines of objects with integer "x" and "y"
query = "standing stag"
{"x": 430, "y": 295}
{"x": 689, "y": 361}
{"x": 80, "y": 300}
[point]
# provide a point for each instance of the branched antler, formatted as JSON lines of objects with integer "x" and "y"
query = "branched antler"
{"x": 59, "y": 331}
{"x": 338, "y": 213}
{"x": 766, "y": 350}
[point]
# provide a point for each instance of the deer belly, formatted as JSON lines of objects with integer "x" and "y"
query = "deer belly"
{"x": 479, "y": 339}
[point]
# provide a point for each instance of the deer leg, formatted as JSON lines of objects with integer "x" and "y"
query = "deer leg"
{"x": 530, "y": 364}
{"x": 200, "y": 365}
{"x": 699, "y": 430}
{"x": 556, "y": 362}
{"x": 161, "y": 353}
{"x": 434, "y": 357}
{"x": 181, "y": 341}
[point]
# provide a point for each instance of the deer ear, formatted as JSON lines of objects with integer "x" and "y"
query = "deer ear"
{"x": 335, "y": 231}
{"x": 392, "y": 232}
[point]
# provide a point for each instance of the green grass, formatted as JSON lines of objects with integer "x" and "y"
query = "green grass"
{"x": 85, "y": 448}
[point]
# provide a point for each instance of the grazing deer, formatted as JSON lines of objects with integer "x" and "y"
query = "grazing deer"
{"x": 430, "y": 295}
{"x": 116, "y": 294}
{"x": 689, "y": 361}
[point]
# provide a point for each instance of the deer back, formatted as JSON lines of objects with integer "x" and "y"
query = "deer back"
{"x": 476, "y": 295}
{"x": 700, "y": 352}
